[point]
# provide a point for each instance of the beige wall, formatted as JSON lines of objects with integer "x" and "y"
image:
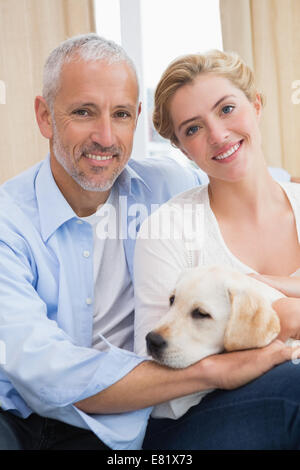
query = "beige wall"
{"x": 266, "y": 33}
{"x": 29, "y": 30}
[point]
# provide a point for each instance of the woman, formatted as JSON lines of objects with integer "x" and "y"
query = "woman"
{"x": 208, "y": 106}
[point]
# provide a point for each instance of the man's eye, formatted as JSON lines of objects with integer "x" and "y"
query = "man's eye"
{"x": 227, "y": 109}
{"x": 81, "y": 112}
{"x": 122, "y": 114}
{"x": 192, "y": 130}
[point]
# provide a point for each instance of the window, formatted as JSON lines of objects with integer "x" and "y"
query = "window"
{"x": 107, "y": 19}
{"x": 154, "y": 32}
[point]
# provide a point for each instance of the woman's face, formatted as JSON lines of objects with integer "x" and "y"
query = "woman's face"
{"x": 217, "y": 126}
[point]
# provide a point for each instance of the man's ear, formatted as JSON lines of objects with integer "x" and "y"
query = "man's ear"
{"x": 252, "y": 323}
{"x": 43, "y": 117}
{"x": 138, "y": 113}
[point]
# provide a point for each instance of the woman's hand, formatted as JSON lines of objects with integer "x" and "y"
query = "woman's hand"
{"x": 288, "y": 311}
{"x": 232, "y": 370}
{"x": 287, "y": 308}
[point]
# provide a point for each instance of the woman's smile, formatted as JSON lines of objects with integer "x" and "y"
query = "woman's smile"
{"x": 229, "y": 154}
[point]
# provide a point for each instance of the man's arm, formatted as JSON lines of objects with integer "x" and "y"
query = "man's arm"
{"x": 150, "y": 383}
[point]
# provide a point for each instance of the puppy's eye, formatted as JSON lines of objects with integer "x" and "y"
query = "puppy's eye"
{"x": 196, "y": 313}
{"x": 171, "y": 299}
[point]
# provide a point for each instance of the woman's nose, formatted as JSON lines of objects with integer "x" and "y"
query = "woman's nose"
{"x": 217, "y": 133}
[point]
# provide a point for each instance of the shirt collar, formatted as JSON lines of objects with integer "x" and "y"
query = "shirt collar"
{"x": 126, "y": 177}
{"x": 54, "y": 210}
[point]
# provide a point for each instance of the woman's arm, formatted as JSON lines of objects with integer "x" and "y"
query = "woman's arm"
{"x": 289, "y": 286}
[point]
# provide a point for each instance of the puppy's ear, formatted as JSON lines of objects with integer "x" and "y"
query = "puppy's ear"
{"x": 252, "y": 323}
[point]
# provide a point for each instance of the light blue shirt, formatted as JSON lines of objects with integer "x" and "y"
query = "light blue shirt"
{"x": 46, "y": 297}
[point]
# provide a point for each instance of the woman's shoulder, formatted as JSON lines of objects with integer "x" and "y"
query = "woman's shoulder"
{"x": 292, "y": 189}
{"x": 171, "y": 213}
{"x": 194, "y": 195}
{"x": 189, "y": 199}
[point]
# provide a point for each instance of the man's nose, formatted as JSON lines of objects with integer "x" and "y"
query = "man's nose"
{"x": 103, "y": 132}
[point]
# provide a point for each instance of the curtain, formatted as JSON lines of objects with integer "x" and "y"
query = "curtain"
{"x": 266, "y": 34}
{"x": 29, "y": 30}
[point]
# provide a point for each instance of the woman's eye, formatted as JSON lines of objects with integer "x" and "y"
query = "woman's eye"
{"x": 192, "y": 130}
{"x": 227, "y": 109}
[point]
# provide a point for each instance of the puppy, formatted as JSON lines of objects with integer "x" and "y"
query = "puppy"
{"x": 212, "y": 309}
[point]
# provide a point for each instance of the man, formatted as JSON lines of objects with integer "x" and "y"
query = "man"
{"x": 68, "y": 378}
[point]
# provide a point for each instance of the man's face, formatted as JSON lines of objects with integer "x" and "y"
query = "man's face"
{"x": 95, "y": 115}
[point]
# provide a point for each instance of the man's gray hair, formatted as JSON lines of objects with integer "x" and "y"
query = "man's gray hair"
{"x": 87, "y": 47}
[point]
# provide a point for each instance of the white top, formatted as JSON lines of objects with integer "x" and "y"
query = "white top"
{"x": 182, "y": 234}
{"x": 113, "y": 290}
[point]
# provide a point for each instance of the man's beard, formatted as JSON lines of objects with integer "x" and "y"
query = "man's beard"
{"x": 84, "y": 181}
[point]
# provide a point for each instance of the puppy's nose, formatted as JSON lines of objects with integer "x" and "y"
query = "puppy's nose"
{"x": 155, "y": 343}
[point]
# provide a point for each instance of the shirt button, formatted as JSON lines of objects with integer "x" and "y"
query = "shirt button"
{"x": 86, "y": 253}
{"x": 89, "y": 301}
{"x": 79, "y": 221}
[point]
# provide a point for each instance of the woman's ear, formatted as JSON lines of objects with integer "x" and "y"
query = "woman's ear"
{"x": 43, "y": 117}
{"x": 253, "y": 323}
{"x": 258, "y": 105}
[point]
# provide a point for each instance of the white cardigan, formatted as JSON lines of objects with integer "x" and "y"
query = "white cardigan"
{"x": 181, "y": 234}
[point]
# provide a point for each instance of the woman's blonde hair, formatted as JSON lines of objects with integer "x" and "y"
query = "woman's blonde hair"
{"x": 185, "y": 70}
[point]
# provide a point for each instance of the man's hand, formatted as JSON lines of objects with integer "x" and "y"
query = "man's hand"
{"x": 232, "y": 370}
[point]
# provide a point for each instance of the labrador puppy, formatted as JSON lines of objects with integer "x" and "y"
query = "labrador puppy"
{"x": 214, "y": 309}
